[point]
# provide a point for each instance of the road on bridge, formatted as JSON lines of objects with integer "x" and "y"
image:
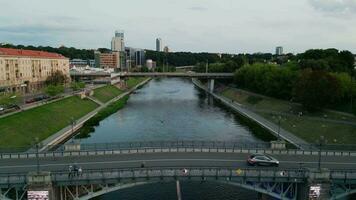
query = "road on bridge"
{"x": 226, "y": 160}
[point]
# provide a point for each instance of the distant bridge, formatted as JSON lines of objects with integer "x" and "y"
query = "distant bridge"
{"x": 152, "y": 74}
{"x": 110, "y": 167}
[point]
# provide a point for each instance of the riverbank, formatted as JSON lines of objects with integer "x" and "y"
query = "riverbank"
{"x": 69, "y": 131}
{"x": 338, "y": 128}
{"x": 259, "y": 120}
{"x": 18, "y": 131}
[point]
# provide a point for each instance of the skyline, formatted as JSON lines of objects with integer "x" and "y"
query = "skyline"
{"x": 225, "y": 26}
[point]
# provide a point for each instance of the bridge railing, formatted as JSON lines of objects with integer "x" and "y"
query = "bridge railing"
{"x": 195, "y": 173}
{"x": 74, "y": 149}
{"x": 112, "y": 175}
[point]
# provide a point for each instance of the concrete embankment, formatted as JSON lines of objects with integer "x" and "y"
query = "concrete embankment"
{"x": 67, "y": 132}
{"x": 271, "y": 127}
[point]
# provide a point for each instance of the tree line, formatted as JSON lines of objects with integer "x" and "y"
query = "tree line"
{"x": 316, "y": 78}
{"x": 69, "y": 52}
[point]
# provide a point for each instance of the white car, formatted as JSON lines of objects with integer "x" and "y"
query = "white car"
{"x": 1, "y": 108}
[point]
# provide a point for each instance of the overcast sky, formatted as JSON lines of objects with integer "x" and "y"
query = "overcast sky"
{"x": 226, "y": 26}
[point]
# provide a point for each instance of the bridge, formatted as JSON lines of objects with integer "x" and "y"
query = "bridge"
{"x": 111, "y": 167}
{"x": 113, "y": 78}
{"x": 152, "y": 74}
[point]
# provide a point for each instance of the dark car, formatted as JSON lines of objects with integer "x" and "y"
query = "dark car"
{"x": 262, "y": 160}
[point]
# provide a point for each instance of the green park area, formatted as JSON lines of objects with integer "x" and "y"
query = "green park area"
{"x": 132, "y": 82}
{"x": 336, "y": 127}
{"x": 20, "y": 130}
{"x": 106, "y": 93}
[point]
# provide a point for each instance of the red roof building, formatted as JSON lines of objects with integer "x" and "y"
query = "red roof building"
{"x": 29, "y": 53}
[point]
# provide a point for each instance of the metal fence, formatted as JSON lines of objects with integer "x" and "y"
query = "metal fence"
{"x": 73, "y": 149}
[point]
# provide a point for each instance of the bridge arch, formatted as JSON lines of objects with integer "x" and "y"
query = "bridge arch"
{"x": 287, "y": 191}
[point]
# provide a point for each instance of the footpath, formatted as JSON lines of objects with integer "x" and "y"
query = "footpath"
{"x": 68, "y": 131}
{"x": 272, "y": 127}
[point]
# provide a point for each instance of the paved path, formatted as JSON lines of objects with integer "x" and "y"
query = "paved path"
{"x": 273, "y": 128}
{"x": 173, "y": 159}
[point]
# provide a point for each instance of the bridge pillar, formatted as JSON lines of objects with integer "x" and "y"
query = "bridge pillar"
{"x": 262, "y": 196}
{"x": 41, "y": 184}
{"x": 211, "y": 83}
{"x": 317, "y": 186}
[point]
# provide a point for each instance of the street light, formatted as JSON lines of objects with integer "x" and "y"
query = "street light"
{"x": 73, "y": 123}
{"x": 279, "y": 127}
{"x": 207, "y": 65}
{"x": 37, "y": 145}
{"x": 321, "y": 141}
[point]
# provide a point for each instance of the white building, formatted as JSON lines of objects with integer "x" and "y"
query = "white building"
{"x": 159, "y": 45}
{"x": 118, "y": 42}
{"x": 279, "y": 51}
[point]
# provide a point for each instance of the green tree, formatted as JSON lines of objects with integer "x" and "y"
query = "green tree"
{"x": 54, "y": 90}
{"x": 77, "y": 85}
{"x": 57, "y": 78}
{"x": 316, "y": 89}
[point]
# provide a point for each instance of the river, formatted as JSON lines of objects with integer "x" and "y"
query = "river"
{"x": 173, "y": 109}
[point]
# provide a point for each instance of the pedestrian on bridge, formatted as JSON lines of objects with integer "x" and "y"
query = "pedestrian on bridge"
{"x": 70, "y": 168}
{"x": 80, "y": 171}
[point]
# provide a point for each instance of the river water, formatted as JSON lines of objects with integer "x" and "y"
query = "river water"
{"x": 173, "y": 109}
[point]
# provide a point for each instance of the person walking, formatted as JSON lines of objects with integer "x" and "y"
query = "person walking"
{"x": 80, "y": 171}
{"x": 70, "y": 169}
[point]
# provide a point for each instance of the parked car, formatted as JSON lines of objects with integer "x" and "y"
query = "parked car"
{"x": 2, "y": 109}
{"x": 262, "y": 160}
{"x": 39, "y": 98}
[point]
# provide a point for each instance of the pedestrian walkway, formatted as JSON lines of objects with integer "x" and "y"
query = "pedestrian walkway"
{"x": 272, "y": 127}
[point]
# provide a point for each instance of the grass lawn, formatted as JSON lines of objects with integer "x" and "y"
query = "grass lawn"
{"x": 304, "y": 127}
{"x": 106, "y": 93}
{"x": 310, "y": 130}
{"x": 132, "y": 82}
{"x": 19, "y": 130}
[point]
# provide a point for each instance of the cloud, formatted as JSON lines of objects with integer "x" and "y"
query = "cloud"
{"x": 198, "y": 8}
{"x": 40, "y": 28}
{"x": 334, "y": 6}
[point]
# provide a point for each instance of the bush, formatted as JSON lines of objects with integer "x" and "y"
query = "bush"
{"x": 88, "y": 126}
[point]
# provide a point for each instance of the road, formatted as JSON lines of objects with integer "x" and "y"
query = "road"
{"x": 227, "y": 160}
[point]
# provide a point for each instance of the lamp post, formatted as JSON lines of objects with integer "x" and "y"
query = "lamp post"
{"x": 72, "y": 122}
{"x": 37, "y": 145}
{"x": 207, "y": 65}
{"x": 279, "y": 127}
{"x": 321, "y": 141}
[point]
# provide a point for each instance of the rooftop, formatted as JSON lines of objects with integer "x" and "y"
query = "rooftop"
{"x": 29, "y": 53}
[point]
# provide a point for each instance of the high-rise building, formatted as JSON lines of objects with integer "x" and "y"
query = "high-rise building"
{"x": 135, "y": 57}
{"x": 118, "y": 41}
{"x": 159, "y": 45}
{"x": 26, "y": 70}
{"x": 279, "y": 51}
